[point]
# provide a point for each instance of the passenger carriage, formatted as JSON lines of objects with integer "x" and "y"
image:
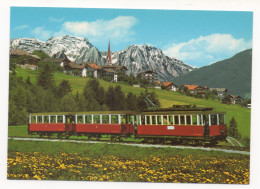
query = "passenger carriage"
{"x": 179, "y": 126}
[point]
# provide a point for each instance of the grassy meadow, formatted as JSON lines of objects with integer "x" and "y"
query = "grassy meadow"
{"x": 29, "y": 160}
{"x": 167, "y": 98}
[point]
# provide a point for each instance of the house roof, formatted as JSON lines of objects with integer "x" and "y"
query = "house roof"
{"x": 191, "y": 87}
{"x": 114, "y": 67}
{"x": 230, "y": 96}
{"x": 95, "y": 66}
{"x": 109, "y": 70}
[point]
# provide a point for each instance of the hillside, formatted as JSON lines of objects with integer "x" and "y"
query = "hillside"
{"x": 167, "y": 98}
{"x": 233, "y": 73}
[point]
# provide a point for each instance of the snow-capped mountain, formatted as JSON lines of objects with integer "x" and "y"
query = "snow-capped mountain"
{"x": 77, "y": 49}
{"x": 138, "y": 58}
{"x": 135, "y": 58}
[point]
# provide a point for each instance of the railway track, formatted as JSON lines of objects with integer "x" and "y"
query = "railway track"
{"x": 227, "y": 149}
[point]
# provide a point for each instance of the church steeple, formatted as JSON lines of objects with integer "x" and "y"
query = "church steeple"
{"x": 108, "y": 54}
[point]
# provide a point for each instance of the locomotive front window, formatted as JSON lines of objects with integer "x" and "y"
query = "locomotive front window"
{"x": 96, "y": 118}
{"x": 221, "y": 119}
{"x": 114, "y": 119}
{"x": 60, "y": 119}
{"x": 105, "y": 119}
{"x": 88, "y": 119}
{"x": 213, "y": 119}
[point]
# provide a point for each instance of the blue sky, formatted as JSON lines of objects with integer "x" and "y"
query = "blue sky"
{"x": 198, "y": 38}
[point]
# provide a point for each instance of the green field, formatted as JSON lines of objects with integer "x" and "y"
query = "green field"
{"x": 167, "y": 98}
{"x": 28, "y": 160}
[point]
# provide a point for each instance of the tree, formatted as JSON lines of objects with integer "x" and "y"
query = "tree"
{"x": 233, "y": 129}
{"x": 119, "y": 99}
{"x": 45, "y": 77}
{"x": 110, "y": 98}
{"x": 68, "y": 104}
{"x": 131, "y": 101}
{"x": 63, "y": 88}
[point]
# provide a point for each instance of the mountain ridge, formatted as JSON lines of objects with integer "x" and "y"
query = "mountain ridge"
{"x": 136, "y": 58}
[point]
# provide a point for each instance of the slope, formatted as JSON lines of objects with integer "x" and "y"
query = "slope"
{"x": 167, "y": 98}
{"x": 233, "y": 73}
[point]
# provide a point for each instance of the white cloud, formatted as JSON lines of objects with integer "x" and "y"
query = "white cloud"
{"x": 41, "y": 33}
{"x": 119, "y": 28}
{"x": 52, "y": 19}
{"x": 207, "y": 49}
{"x": 21, "y": 27}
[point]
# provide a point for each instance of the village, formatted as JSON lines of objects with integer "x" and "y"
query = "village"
{"x": 115, "y": 73}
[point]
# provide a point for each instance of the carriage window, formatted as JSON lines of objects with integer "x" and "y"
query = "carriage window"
{"x": 142, "y": 120}
{"x": 165, "y": 120}
{"x": 159, "y": 120}
{"x": 213, "y": 119}
{"x": 96, "y": 118}
{"x": 205, "y": 118}
{"x": 105, "y": 119}
{"x": 148, "y": 121}
{"x": 170, "y": 120}
{"x": 182, "y": 121}
{"x": 114, "y": 119}
{"x": 39, "y": 119}
{"x": 70, "y": 119}
{"x": 53, "y": 119}
{"x": 194, "y": 119}
{"x": 176, "y": 119}
{"x": 154, "y": 120}
{"x": 123, "y": 119}
{"x": 33, "y": 119}
{"x": 60, "y": 119}
{"x": 88, "y": 119}
{"x": 188, "y": 120}
{"x": 221, "y": 119}
{"x": 80, "y": 119}
{"x": 46, "y": 119}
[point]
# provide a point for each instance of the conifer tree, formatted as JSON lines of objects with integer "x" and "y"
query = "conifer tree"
{"x": 233, "y": 129}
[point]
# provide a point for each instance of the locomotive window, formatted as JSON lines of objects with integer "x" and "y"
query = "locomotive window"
{"x": 194, "y": 119}
{"x": 96, "y": 118}
{"x": 154, "y": 120}
{"x": 33, "y": 119}
{"x": 176, "y": 119}
{"x": 170, "y": 120}
{"x": 46, "y": 119}
{"x": 80, "y": 119}
{"x": 114, "y": 119}
{"x": 60, "y": 119}
{"x": 221, "y": 119}
{"x": 159, "y": 120}
{"x": 53, "y": 119}
{"x": 105, "y": 119}
{"x": 88, "y": 119}
{"x": 182, "y": 120}
{"x": 213, "y": 119}
{"x": 188, "y": 120}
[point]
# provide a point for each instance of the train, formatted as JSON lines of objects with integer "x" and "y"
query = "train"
{"x": 176, "y": 126}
